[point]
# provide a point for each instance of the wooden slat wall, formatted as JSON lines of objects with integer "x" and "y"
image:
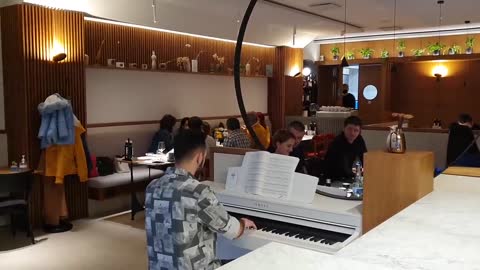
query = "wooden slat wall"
{"x": 285, "y": 60}
{"x": 135, "y": 45}
{"x": 28, "y": 35}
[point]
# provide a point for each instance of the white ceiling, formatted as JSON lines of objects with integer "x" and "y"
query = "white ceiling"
{"x": 272, "y": 24}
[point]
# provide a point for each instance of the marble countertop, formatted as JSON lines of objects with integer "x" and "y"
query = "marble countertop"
{"x": 440, "y": 231}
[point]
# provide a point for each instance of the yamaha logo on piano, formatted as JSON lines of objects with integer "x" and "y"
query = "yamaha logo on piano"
{"x": 261, "y": 205}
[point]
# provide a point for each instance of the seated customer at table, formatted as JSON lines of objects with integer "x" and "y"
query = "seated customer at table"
{"x": 298, "y": 131}
{"x": 461, "y": 149}
{"x": 262, "y": 133}
{"x": 183, "y": 124}
{"x": 344, "y": 149}
{"x": 197, "y": 125}
{"x": 282, "y": 142}
{"x": 236, "y": 136}
{"x": 164, "y": 134}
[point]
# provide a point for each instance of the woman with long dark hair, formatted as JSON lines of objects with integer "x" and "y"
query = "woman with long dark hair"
{"x": 164, "y": 134}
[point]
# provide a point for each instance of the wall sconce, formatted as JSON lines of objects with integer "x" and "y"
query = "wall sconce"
{"x": 439, "y": 71}
{"x": 295, "y": 71}
{"x": 58, "y": 52}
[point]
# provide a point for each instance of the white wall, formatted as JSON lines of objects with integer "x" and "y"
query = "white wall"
{"x": 312, "y": 52}
{"x": 127, "y": 95}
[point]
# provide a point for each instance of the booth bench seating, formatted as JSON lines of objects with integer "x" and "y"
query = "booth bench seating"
{"x": 116, "y": 184}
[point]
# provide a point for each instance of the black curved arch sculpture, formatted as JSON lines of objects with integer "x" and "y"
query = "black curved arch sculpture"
{"x": 236, "y": 71}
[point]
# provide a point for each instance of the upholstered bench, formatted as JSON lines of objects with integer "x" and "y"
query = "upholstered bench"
{"x": 104, "y": 187}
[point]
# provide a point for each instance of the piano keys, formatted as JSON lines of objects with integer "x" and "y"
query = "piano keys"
{"x": 326, "y": 225}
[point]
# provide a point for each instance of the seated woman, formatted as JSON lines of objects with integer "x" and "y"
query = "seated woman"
{"x": 282, "y": 142}
{"x": 183, "y": 124}
{"x": 236, "y": 136}
{"x": 164, "y": 134}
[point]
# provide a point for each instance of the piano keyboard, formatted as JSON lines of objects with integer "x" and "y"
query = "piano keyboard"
{"x": 292, "y": 234}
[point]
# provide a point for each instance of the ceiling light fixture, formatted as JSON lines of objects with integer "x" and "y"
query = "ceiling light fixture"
{"x": 394, "y": 67}
{"x": 294, "y": 34}
{"x": 154, "y": 7}
{"x": 171, "y": 31}
{"x": 344, "y": 60}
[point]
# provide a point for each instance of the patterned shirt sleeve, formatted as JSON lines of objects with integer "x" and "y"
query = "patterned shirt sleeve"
{"x": 213, "y": 214}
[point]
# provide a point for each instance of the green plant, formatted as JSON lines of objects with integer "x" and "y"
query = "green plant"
{"x": 350, "y": 54}
{"x": 418, "y": 52}
{"x": 366, "y": 52}
{"x": 384, "y": 53}
{"x": 470, "y": 42}
{"x": 435, "y": 47}
{"x": 401, "y": 45}
{"x": 335, "y": 50}
{"x": 455, "y": 49}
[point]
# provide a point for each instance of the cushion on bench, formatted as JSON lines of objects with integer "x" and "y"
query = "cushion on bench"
{"x": 118, "y": 179}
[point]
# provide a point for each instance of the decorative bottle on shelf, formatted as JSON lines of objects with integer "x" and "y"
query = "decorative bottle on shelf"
{"x": 128, "y": 149}
{"x": 154, "y": 60}
{"x": 23, "y": 163}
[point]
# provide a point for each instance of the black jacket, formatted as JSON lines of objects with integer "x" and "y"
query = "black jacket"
{"x": 459, "y": 138}
{"x": 341, "y": 155}
{"x": 348, "y": 101}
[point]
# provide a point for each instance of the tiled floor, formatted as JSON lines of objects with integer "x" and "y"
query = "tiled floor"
{"x": 92, "y": 244}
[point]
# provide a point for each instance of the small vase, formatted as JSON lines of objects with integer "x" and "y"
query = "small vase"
{"x": 86, "y": 59}
{"x": 248, "y": 69}
{"x": 335, "y": 57}
{"x": 401, "y": 54}
{"x": 366, "y": 57}
{"x": 186, "y": 65}
{"x": 451, "y": 51}
{"x": 436, "y": 52}
{"x": 469, "y": 50}
{"x": 194, "y": 65}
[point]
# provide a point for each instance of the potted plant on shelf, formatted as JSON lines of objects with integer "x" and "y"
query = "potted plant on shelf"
{"x": 384, "y": 53}
{"x": 366, "y": 53}
{"x": 454, "y": 49}
{"x": 350, "y": 55}
{"x": 435, "y": 48}
{"x": 335, "y": 52}
{"x": 469, "y": 44}
{"x": 401, "y": 48}
{"x": 418, "y": 52}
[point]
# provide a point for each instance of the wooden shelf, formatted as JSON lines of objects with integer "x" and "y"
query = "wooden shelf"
{"x": 170, "y": 71}
{"x": 406, "y": 59}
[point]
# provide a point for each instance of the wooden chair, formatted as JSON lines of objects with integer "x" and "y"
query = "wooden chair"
{"x": 18, "y": 187}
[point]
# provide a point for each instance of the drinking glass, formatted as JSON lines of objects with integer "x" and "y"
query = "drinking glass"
{"x": 161, "y": 147}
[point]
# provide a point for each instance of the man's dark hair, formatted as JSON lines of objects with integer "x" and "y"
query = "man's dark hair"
{"x": 206, "y": 128}
{"x": 195, "y": 123}
{"x": 465, "y": 118}
{"x": 186, "y": 143}
{"x": 345, "y": 91}
{"x": 352, "y": 120}
{"x": 281, "y": 136}
{"x": 168, "y": 122}
{"x": 233, "y": 124}
{"x": 296, "y": 125}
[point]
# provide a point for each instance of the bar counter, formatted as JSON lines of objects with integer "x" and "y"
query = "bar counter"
{"x": 440, "y": 231}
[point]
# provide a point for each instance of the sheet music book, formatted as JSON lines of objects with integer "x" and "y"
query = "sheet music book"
{"x": 266, "y": 174}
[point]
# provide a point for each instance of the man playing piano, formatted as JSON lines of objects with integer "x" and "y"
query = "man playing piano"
{"x": 344, "y": 150}
{"x": 182, "y": 216}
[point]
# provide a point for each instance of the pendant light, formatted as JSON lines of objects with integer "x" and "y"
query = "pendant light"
{"x": 344, "y": 59}
{"x": 394, "y": 67}
{"x": 154, "y": 9}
